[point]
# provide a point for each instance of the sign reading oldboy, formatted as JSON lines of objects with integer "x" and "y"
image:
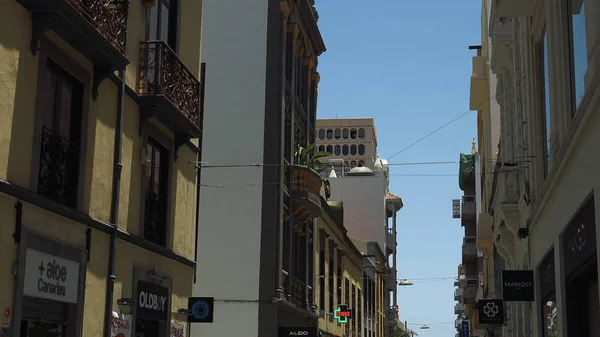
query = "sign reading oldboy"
{"x": 50, "y": 277}
{"x": 517, "y": 285}
{"x": 152, "y": 301}
{"x": 305, "y": 332}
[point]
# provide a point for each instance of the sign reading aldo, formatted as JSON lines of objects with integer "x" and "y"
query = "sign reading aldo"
{"x": 517, "y": 285}
{"x": 152, "y": 301}
{"x": 50, "y": 277}
{"x": 305, "y": 332}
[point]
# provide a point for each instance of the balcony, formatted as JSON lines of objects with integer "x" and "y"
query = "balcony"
{"x": 469, "y": 248}
{"x": 480, "y": 89}
{"x": 95, "y": 28}
{"x": 513, "y": 8}
{"x": 391, "y": 241}
{"x": 305, "y": 192}
{"x": 169, "y": 91}
{"x": 458, "y": 294}
{"x": 484, "y": 233}
{"x": 470, "y": 294}
{"x": 467, "y": 212}
{"x": 59, "y": 169}
{"x": 392, "y": 280}
{"x": 459, "y": 308}
{"x": 469, "y": 281}
{"x": 295, "y": 290}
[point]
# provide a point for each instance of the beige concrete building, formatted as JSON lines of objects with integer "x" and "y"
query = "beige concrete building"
{"x": 352, "y": 141}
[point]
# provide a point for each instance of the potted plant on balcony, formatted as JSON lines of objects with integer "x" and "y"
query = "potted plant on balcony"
{"x": 306, "y": 157}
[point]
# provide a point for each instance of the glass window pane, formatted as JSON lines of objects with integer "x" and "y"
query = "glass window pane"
{"x": 338, "y": 150}
{"x": 546, "y": 78}
{"x": 353, "y": 149}
{"x": 353, "y": 133}
{"x": 580, "y": 63}
{"x": 329, "y": 134}
{"x": 345, "y": 150}
{"x": 361, "y": 149}
{"x": 338, "y": 133}
{"x": 361, "y": 133}
{"x": 321, "y": 133}
{"x": 345, "y": 133}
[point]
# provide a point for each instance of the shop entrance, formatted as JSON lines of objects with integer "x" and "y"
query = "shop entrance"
{"x": 148, "y": 328}
{"x": 43, "y": 318}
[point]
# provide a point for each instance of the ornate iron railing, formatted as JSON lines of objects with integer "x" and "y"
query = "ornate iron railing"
{"x": 59, "y": 168}
{"x": 163, "y": 73}
{"x": 155, "y": 218}
{"x": 108, "y": 17}
{"x": 298, "y": 292}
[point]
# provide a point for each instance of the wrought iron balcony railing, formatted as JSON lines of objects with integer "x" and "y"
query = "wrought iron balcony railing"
{"x": 59, "y": 168}
{"x": 155, "y": 218}
{"x": 162, "y": 75}
{"x": 108, "y": 17}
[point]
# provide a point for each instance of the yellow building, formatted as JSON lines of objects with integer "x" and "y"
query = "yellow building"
{"x": 338, "y": 276}
{"x": 97, "y": 182}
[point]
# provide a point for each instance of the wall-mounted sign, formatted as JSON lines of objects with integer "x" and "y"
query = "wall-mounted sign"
{"x": 465, "y": 328}
{"x": 152, "y": 301}
{"x": 455, "y": 208}
{"x": 121, "y": 325}
{"x": 177, "y": 330}
{"x": 50, "y": 277}
{"x": 304, "y": 332}
{"x": 342, "y": 314}
{"x": 579, "y": 239}
{"x": 491, "y": 311}
{"x": 517, "y": 285}
{"x": 201, "y": 309}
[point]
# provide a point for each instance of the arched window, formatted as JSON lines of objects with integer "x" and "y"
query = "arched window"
{"x": 361, "y": 149}
{"x": 329, "y": 148}
{"x": 329, "y": 134}
{"x": 345, "y": 133}
{"x": 353, "y": 150}
{"x": 345, "y": 150}
{"x": 353, "y": 164}
{"x": 338, "y": 150}
{"x": 361, "y": 133}
{"x": 321, "y": 133}
{"x": 353, "y": 133}
{"x": 361, "y": 163}
{"x": 338, "y": 133}
{"x": 321, "y": 148}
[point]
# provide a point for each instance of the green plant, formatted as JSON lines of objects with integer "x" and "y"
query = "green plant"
{"x": 306, "y": 156}
{"x": 400, "y": 331}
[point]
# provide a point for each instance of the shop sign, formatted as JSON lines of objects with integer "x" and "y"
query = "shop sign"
{"x": 177, "y": 330}
{"x": 201, "y": 309}
{"x": 121, "y": 325}
{"x": 517, "y": 285}
{"x": 342, "y": 314}
{"x": 298, "y": 331}
{"x": 455, "y": 208}
{"x": 152, "y": 301}
{"x": 50, "y": 277}
{"x": 465, "y": 328}
{"x": 579, "y": 239}
{"x": 491, "y": 311}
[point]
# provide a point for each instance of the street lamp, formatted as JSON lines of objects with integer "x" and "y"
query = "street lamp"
{"x": 405, "y": 282}
{"x": 424, "y": 327}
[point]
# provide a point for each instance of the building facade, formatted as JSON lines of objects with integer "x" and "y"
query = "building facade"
{"x": 351, "y": 141}
{"x": 339, "y": 274}
{"x": 541, "y": 207}
{"x": 97, "y": 189}
{"x": 260, "y": 108}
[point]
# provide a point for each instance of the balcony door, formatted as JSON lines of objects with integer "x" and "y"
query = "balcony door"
{"x": 156, "y": 193}
{"x": 163, "y": 21}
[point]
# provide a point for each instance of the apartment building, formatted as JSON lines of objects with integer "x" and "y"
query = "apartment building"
{"x": 339, "y": 274}
{"x": 541, "y": 208}
{"x": 101, "y": 109}
{"x": 260, "y": 108}
{"x": 351, "y": 141}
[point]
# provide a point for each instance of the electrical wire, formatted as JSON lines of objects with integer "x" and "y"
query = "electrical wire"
{"x": 455, "y": 119}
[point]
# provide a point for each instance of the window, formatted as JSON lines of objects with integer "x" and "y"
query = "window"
{"x": 322, "y": 272}
{"x": 353, "y": 133}
{"x": 345, "y": 150}
{"x": 361, "y": 163}
{"x": 331, "y": 278}
{"x": 163, "y": 22}
{"x": 321, "y": 148}
{"x": 353, "y": 306}
{"x": 338, "y": 133}
{"x": 337, "y": 150}
{"x": 156, "y": 193}
{"x": 340, "y": 283}
{"x": 353, "y": 150}
{"x": 579, "y": 54}
{"x": 58, "y": 177}
{"x": 361, "y": 149}
{"x": 330, "y": 148}
{"x": 329, "y": 134}
{"x": 361, "y": 133}
{"x": 321, "y": 133}
{"x": 345, "y": 133}
{"x": 353, "y": 164}
{"x": 546, "y": 100}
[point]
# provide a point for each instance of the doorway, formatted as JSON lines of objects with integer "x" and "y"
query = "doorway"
{"x": 148, "y": 328}
{"x": 43, "y": 318}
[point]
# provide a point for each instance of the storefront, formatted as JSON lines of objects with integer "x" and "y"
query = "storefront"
{"x": 547, "y": 294}
{"x": 581, "y": 273}
{"x": 152, "y": 310}
{"x": 50, "y": 291}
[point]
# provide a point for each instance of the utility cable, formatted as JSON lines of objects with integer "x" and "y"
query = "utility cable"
{"x": 455, "y": 119}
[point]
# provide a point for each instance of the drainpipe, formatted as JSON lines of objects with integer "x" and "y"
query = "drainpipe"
{"x": 114, "y": 206}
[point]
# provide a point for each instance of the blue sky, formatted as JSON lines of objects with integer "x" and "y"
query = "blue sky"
{"x": 407, "y": 64}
